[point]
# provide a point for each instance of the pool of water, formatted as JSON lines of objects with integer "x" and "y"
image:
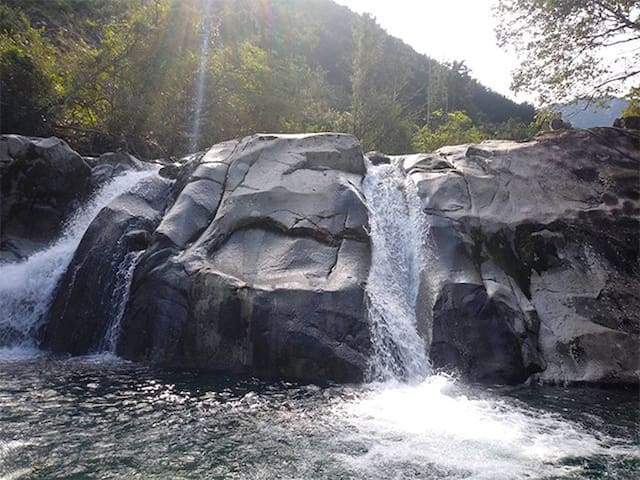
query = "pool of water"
{"x": 99, "y": 417}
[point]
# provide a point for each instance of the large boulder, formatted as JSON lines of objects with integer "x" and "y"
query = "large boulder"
{"x": 42, "y": 181}
{"x": 260, "y": 263}
{"x": 535, "y": 256}
{"x": 112, "y": 164}
{"x": 254, "y": 258}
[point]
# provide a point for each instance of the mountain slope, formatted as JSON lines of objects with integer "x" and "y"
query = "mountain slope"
{"x": 161, "y": 77}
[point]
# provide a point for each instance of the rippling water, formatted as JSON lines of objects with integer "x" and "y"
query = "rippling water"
{"x": 99, "y": 417}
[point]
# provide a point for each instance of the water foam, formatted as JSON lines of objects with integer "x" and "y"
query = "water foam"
{"x": 430, "y": 425}
{"x": 8, "y": 451}
{"x": 435, "y": 425}
{"x": 398, "y": 228}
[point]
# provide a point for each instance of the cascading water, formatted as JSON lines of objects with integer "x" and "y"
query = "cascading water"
{"x": 120, "y": 295}
{"x": 398, "y": 229}
{"x": 26, "y": 287}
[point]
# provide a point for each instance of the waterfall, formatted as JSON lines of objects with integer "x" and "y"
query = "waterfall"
{"x": 26, "y": 287}
{"x": 398, "y": 228}
{"x": 119, "y": 297}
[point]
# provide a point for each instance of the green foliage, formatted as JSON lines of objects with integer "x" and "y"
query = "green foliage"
{"x": 13, "y": 20}
{"x": 451, "y": 128}
{"x": 571, "y": 48}
{"x": 543, "y": 118}
{"x": 124, "y": 74}
{"x": 514, "y": 129}
{"x": 633, "y": 109}
{"x": 28, "y": 79}
{"x": 377, "y": 116}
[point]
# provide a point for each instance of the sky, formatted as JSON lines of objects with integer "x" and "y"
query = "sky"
{"x": 448, "y": 30}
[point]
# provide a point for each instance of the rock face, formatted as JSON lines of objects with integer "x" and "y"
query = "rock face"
{"x": 42, "y": 180}
{"x": 259, "y": 264}
{"x": 628, "y": 122}
{"x": 109, "y": 165}
{"x": 254, "y": 258}
{"x": 535, "y": 249}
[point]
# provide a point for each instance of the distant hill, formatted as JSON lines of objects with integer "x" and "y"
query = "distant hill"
{"x": 582, "y": 114}
{"x": 124, "y": 74}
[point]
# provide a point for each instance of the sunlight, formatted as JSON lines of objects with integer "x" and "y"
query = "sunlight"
{"x": 204, "y": 54}
{"x": 447, "y": 31}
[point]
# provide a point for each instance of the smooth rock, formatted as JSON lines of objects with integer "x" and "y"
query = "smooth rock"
{"x": 535, "y": 257}
{"x": 86, "y": 298}
{"x": 258, "y": 265}
{"x": 42, "y": 182}
{"x": 110, "y": 165}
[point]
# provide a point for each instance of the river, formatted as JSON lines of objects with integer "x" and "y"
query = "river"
{"x": 100, "y": 417}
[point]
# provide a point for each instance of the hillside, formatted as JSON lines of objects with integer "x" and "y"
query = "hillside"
{"x": 158, "y": 77}
{"x": 584, "y": 115}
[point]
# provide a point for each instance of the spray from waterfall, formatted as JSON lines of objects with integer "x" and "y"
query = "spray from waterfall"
{"x": 398, "y": 228}
{"x": 119, "y": 297}
{"x": 26, "y": 287}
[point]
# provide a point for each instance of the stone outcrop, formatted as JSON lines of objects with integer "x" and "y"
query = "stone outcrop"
{"x": 42, "y": 181}
{"x": 254, "y": 256}
{"x": 535, "y": 256}
{"x": 109, "y": 165}
{"x": 259, "y": 264}
{"x": 631, "y": 122}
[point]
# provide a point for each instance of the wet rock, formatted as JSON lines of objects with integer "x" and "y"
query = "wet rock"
{"x": 170, "y": 171}
{"x": 377, "y": 158}
{"x": 254, "y": 258}
{"x": 632, "y": 122}
{"x": 110, "y": 165}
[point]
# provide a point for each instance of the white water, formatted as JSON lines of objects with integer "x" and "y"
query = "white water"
{"x": 398, "y": 228}
{"x": 119, "y": 297}
{"x": 434, "y": 426}
{"x": 26, "y": 287}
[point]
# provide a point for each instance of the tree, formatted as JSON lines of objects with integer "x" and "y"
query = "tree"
{"x": 29, "y": 82}
{"x": 572, "y": 48}
{"x": 134, "y": 88}
{"x": 377, "y": 115}
{"x": 152, "y": 76}
{"x": 633, "y": 109}
{"x": 514, "y": 129}
{"x": 438, "y": 89}
{"x": 453, "y": 128}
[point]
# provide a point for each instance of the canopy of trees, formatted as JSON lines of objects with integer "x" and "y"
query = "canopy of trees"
{"x": 140, "y": 74}
{"x": 572, "y": 48}
{"x": 453, "y": 128}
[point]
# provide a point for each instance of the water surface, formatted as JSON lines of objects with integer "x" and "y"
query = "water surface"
{"x": 100, "y": 417}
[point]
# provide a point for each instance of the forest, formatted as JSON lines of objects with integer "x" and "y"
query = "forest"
{"x": 166, "y": 77}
